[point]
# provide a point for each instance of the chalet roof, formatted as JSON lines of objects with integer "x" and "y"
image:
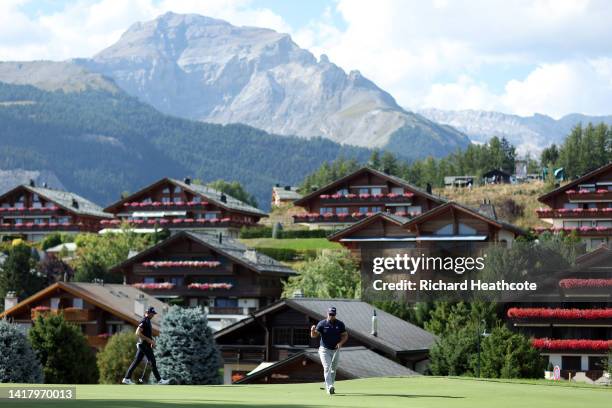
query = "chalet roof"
{"x": 208, "y": 193}
{"x": 381, "y": 174}
{"x": 283, "y": 194}
{"x": 65, "y": 200}
{"x": 354, "y": 362}
{"x": 116, "y": 299}
{"x": 394, "y": 334}
{"x": 494, "y": 172}
{"x": 215, "y": 196}
{"x": 585, "y": 177}
{"x": 406, "y": 222}
{"x": 600, "y": 257}
{"x": 228, "y": 247}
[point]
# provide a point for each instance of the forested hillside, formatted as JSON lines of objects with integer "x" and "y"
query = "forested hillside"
{"x": 100, "y": 144}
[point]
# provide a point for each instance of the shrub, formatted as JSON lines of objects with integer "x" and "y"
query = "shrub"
{"x": 63, "y": 351}
{"x": 509, "y": 355}
{"x": 18, "y": 362}
{"x": 116, "y": 357}
{"x": 257, "y": 232}
{"x": 186, "y": 350}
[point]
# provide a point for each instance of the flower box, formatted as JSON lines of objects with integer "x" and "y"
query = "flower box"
{"x": 585, "y": 283}
{"x": 572, "y": 344}
{"x": 154, "y": 286}
{"x": 181, "y": 264}
{"x": 557, "y": 313}
{"x": 210, "y": 286}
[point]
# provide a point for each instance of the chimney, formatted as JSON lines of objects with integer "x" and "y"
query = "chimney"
{"x": 10, "y": 300}
{"x": 374, "y": 331}
{"x": 220, "y": 238}
{"x": 187, "y": 181}
{"x": 223, "y": 198}
{"x": 428, "y": 188}
{"x": 251, "y": 255}
{"x": 287, "y": 188}
{"x": 32, "y": 183}
{"x": 75, "y": 203}
{"x": 140, "y": 305}
{"x": 277, "y": 185}
{"x": 386, "y": 170}
{"x": 45, "y": 185}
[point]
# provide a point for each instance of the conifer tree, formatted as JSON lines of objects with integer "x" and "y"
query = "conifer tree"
{"x": 18, "y": 362}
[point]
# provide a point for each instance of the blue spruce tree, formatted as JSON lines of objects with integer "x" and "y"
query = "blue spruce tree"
{"x": 186, "y": 351}
{"x": 18, "y": 362}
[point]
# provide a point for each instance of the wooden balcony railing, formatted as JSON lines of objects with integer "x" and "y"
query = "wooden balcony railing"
{"x": 70, "y": 314}
{"x": 575, "y": 213}
{"x": 583, "y": 195}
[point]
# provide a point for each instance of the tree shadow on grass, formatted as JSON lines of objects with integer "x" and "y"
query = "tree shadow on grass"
{"x": 360, "y": 394}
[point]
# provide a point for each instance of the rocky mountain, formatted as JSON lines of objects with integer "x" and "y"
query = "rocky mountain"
{"x": 206, "y": 69}
{"x": 529, "y": 134}
{"x": 11, "y": 178}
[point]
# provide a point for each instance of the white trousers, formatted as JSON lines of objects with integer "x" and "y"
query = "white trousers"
{"x": 329, "y": 365}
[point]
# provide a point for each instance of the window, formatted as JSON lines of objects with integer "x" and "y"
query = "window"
{"x": 597, "y": 242}
{"x": 225, "y": 302}
{"x": 591, "y": 205}
{"x": 196, "y": 199}
{"x": 55, "y": 303}
{"x": 147, "y": 200}
{"x": 376, "y": 209}
{"x": 588, "y": 187}
{"x": 211, "y": 215}
{"x": 63, "y": 220}
{"x": 571, "y": 224}
{"x": 36, "y": 201}
{"x": 364, "y": 191}
{"x": 401, "y": 208}
{"x": 397, "y": 190}
{"x": 149, "y": 279}
{"x": 376, "y": 190}
{"x": 570, "y": 363}
{"x": 177, "y": 190}
{"x": 363, "y": 210}
{"x": 177, "y": 280}
{"x": 445, "y": 230}
{"x": 342, "y": 210}
{"x": 343, "y": 191}
{"x": 166, "y": 190}
{"x": 415, "y": 209}
{"x": 78, "y": 303}
{"x": 165, "y": 199}
{"x": 176, "y": 199}
{"x": 604, "y": 224}
{"x": 301, "y": 337}
{"x": 281, "y": 336}
{"x": 466, "y": 230}
{"x": 325, "y": 210}
{"x": 570, "y": 206}
{"x": 588, "y": 223}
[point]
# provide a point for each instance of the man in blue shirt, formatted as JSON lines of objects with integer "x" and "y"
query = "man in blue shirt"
{"x": 333, "y": 336}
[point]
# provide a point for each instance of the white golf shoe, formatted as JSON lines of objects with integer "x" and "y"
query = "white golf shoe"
{"x": 163, "y": 382}
{"x": 127, "y": 381}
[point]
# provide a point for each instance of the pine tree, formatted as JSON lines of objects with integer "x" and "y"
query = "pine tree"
{"x": 18, "y": 273}
{"x": 18, "y": 362}
{"x": 63, "y": 351}
{"x": 186, "y": 351}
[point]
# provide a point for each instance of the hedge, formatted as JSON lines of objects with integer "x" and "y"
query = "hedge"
{"x": 288, "y": 254}
{"x": 266, "y": 232}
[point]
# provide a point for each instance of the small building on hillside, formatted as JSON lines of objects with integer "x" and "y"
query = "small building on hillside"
{"x": 281, "y": 330}
{"x": 33, "y": 212}
{"x": 497, "y": 176}
{"x": 305, "y": 367}
{"x": 284, "y": 195}
{"x": 458, "y": 181}
{"x": 583, "y": 206}
{"x": 573, "y": 330}
{"x": 183, "y": 206}
{"x": 229, "y": 280}
{"x": 360, "y": 194}
{"x": 100, "y": 310}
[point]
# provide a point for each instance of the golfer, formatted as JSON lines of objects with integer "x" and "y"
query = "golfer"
{"x": 145, "y": 348}
{"x": 333, "y": 336}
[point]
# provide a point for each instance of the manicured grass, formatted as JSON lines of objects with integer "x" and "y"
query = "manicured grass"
{"x": 291, "y": 243}
{"x": 415, "y": 392}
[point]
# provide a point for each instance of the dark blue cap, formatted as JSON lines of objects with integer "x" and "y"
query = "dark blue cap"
{"x": 151, "y": 310}
{"x": 331, "y": 311}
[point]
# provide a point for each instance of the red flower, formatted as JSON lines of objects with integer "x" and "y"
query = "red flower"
{"x": 408, "y": 194}
{"x": 584, "y": 283}
{"x": 572, "y": 344}
{"x": 565, "y": 314}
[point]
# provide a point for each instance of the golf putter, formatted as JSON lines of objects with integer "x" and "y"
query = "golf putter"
{"x": 141, "y": 379}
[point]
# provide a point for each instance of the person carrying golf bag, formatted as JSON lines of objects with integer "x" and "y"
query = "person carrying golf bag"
{"x": 145, "y": 346}
{"x": 333, "y": 336}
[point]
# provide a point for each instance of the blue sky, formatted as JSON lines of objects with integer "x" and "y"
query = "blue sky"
{"x": 524, "y": 57}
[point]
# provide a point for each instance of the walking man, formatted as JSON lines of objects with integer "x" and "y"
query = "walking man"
{"x": 145, "y": 346}
{"x": 333, "y": 336}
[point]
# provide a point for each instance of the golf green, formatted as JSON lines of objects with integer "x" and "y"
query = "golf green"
{"x": 379, "y": 393}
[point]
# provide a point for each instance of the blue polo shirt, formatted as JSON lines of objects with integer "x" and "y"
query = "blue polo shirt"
{"x": 330, "y": 332}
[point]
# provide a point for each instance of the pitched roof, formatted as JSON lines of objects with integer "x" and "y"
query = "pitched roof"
{"x": 284, "y": 194}
{"x": 574, "y": 183}
{"x": 353, "y": 363}
{"x": 208, "y": 193}
{"x": 396, "y": 219}
{"x": 228, "y": 247}
{"x": 394, "y": 334}
{"x": 65, "y": 200}
{"x": 389, "y": 177}
{"x": 116, "y": 299}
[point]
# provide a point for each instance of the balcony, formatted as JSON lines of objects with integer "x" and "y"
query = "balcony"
{"x": 586, "y": 195}
{"x": 366, "y": 198}
{"x": 188, "y": 223}
{"x": 45, "y": 226}
{"x": 159, "y": 206}
{"x": 28, "y": 210}
{"x": 574, "y": 213}
{"x": 98, "y": 341}
{"x": 580, "y": 231}
{"x": 71, "y": 314}
{"x": 340, "y": 218}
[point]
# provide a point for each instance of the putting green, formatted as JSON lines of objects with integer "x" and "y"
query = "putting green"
{"x": 412, "y": 392}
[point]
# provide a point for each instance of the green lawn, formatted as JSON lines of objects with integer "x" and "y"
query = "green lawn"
{"x": 415, "y": 392}
{"x": 292, "y": 243}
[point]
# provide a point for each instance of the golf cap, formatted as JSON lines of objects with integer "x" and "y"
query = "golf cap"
{"x": 331, "y": 311}
{"x": 151, "y": 310}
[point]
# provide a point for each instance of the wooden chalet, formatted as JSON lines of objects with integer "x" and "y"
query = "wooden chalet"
{"x": 497, "y": 176}
{"x": 583, "y": 206}
{"x": 182, "y": 205}
{"x": 360, "y": 194}
{"x": 33, "y": 212}
{"x": 227, "y": 278}
{"x": 284, "y": 195}
{"x": 100, "y": 310}
{"x": 282, "y": 330}
{"x": 573, "y": 330}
